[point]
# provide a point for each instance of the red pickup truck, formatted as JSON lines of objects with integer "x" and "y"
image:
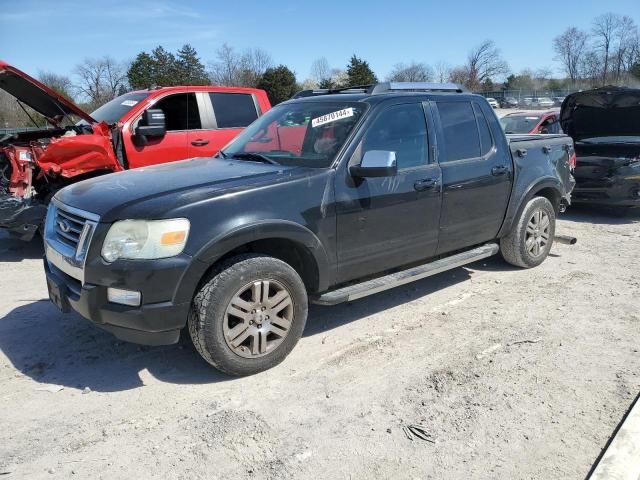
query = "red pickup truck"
{"x": 137, "y": 129}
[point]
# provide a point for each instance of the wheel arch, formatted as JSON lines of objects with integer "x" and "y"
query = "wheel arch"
{"x": 288, "y": 241}
{"x": 549, "y": 188}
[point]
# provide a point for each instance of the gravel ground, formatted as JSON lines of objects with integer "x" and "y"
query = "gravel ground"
{"x": 518, "y": 374}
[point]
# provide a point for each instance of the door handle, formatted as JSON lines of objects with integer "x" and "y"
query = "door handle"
{"x": 499, "y": 170}
{"x": 425, "y": 184}
{"x": 200, "y": 143}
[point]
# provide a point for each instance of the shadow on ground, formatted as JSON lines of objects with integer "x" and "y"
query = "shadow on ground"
{"x": 14, "y": 250}
{"x": 67, "y": 350}
{"x": 601, "y": 215}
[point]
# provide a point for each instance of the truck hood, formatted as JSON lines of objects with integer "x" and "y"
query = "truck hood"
{"x": 601, "y": 112}
{"x": 37, "y": 95}
{"x": 167, "y": 187}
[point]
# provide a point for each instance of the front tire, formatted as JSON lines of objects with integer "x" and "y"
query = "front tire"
{"x": 531, "y": 238}
{"x": 249, "y": 315}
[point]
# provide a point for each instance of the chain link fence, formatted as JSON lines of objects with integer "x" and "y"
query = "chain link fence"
{"x": 529, "y": 99}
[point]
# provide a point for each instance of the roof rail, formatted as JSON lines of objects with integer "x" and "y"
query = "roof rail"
{"x": 330, "y": 91}
{"x": 417, "y": 87}
{"x": 386, "y": 87}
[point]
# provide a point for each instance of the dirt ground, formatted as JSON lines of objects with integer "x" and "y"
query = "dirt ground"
{"x": 515, "y": 374}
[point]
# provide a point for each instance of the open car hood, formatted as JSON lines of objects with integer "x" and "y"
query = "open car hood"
{"x": 601, "y": 112}
{"x": 37, "y": 95}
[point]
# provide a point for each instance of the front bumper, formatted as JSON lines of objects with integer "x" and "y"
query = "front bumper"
{"x": 21, "y": 217}
{"x": 150, "y": 324}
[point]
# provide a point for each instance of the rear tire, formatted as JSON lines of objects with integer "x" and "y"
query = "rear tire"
{"x": 249, "y": 315}
{"x": 530, "y": 240}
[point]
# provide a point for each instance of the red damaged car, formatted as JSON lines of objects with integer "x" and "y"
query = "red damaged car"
{"x": 137, "y": 129}
{"x": 532, "y": 122}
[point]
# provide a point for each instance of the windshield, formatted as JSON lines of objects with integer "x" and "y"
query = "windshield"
{"x": 113, "y": 111}
{"x": 520, "y": 124}
{"x": 308, "y": 134}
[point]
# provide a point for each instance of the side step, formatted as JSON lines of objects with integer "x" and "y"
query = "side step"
{"x": 359, "y": 290}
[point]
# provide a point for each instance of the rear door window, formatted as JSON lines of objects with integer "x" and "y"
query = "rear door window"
{"x": 180, "y": 112}
{"x": 233, "y": 110}
{"x": 461, "y": 136}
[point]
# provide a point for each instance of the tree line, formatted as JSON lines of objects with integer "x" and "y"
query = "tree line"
{"x": 606, "y": 53}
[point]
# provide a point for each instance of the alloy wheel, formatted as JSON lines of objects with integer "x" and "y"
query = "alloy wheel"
{"x": 258, "y": 318}
{"x": 537, "y": 234}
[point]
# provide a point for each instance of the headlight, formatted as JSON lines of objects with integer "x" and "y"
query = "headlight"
{"x": 145, "y": 239}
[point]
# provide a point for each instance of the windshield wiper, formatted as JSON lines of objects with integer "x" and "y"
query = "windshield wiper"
{"x": 253, "y": 157}
{"x": 222, "y": 154}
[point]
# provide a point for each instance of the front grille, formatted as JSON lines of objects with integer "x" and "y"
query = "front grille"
{"x": 69, "y": 230}
{"x": 69, "y": 227}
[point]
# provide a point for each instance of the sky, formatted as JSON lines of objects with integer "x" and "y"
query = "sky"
{"x": 55, "y": 35}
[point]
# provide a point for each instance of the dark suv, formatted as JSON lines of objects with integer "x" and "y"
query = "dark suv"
{"x": 328, "y": 197}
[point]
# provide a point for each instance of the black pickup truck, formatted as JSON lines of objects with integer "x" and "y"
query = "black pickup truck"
{"x": 329, "y": 197}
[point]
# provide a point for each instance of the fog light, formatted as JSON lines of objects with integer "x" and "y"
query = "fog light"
{"x": 123, "y": 297}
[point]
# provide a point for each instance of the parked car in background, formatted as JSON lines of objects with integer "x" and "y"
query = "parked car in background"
{"x": 557, "y": 101}
{"x": 329, "y": 197}
{"x": 545, "y": 102}
{"x": 509, "y": 102}
{"x": 134, "y": 130}
{"x": 532, "y": 122}
{"x": 605, "y": 126}
{"x": 526, "y": 102}
{"x": 493, "y": 102}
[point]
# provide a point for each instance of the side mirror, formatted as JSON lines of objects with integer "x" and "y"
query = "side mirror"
{"x": 152, "y": 124}
{"x": 376, "y": 163}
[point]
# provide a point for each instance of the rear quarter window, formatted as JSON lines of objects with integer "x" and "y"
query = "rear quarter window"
{"x": 233, "y": 110}
{"x": 486, "y": 140}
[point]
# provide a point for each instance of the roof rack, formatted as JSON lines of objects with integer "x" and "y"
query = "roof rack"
{"x": 330, "y": 91}
{"x": 386, "y": 87}
{"x": 417, "y": 87}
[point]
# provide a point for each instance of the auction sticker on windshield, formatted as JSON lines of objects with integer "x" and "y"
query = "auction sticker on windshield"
{"x": 332, "y": 117}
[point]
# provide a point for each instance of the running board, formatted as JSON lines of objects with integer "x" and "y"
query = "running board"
{"x": 359, "y": 290}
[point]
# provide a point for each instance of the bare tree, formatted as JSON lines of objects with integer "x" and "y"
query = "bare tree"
{"x": 253, "y": 63}
{"x": 239, "y": 69}
{"x": 58, "y": 83}
{"x": 625, "y": 39}
{"x": 320, "y": 70}
{"x": 604, "y": 29}
{"x": 459, "y": 75}
{"x": 100, "y": 80}
{"x": 443, "y": 71}
{"x": 414, "y": 72}
{"x": 570, "y": 49}
{"x": 484, "y": 63}
{"x": 591, "y": 68}
{"x": 225, "y": 70}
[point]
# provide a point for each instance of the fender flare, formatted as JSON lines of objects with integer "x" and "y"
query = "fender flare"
{"x": 529, "y": 192}
{"x": 224, "y": 243}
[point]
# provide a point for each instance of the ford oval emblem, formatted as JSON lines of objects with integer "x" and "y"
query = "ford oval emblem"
{"x": 64, "y": 226}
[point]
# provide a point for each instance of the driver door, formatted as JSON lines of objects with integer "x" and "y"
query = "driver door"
{"x": 181, "y": 115}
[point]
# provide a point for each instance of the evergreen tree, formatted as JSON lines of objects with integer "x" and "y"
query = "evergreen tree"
{"x": 189, "y": 68}
{"x": 325, "y": 83}
{"x": 165, "y": 69}
{"x": 279, "y": 83}
{"x": 359, "y": 73}
{"x": 141, "y": 73}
